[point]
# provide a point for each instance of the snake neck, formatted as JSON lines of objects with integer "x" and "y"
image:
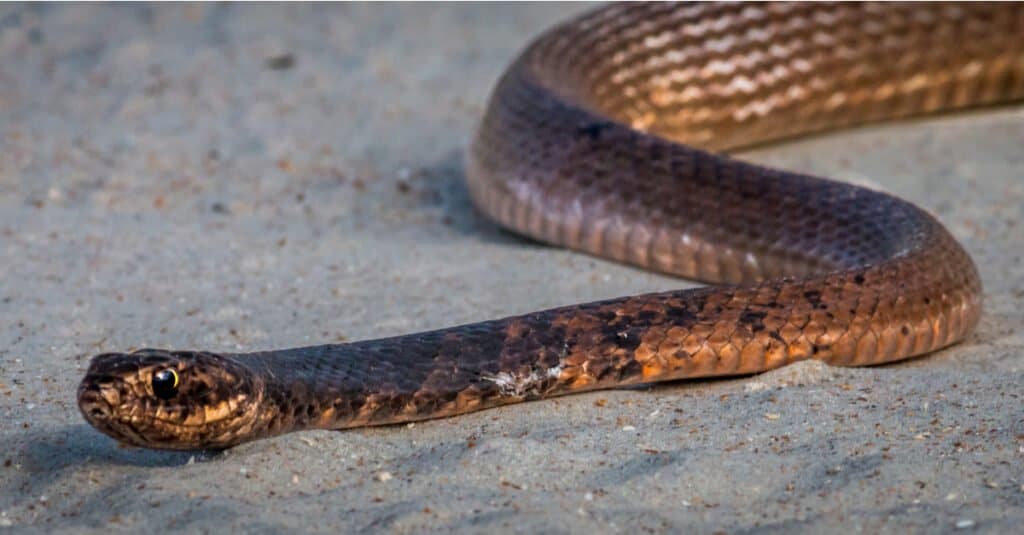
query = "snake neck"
{"x": 393, "y": 380}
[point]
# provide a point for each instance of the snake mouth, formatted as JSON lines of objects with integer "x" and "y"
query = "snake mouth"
{"x": 101, "y": 404}
{"x": 148, "y": 431}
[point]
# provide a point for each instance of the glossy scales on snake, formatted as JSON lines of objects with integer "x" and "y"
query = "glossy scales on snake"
{"x": 590, "y": 142}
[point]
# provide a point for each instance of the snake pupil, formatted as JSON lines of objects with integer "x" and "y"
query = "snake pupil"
{"x": 165, "y": 383}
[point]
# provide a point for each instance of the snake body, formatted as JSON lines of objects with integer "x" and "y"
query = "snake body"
{"x": 598, "y": 138}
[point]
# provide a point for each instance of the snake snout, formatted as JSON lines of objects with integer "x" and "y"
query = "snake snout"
{"x": 95, "y": 406}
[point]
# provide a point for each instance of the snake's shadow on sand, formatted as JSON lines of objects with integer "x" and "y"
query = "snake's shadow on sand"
{"x": 444, "y": 185}
{"x": 46, "y": 456}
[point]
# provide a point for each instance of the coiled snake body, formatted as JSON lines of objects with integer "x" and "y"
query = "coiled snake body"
{"x": 589, "y": 141}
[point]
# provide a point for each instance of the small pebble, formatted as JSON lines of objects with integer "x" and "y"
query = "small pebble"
{"x": 964, "y": 524}
{"x": 755, "y": 386}
{"x": 384, "y": 476}
{"x": 628, "y": 428}
{"x": 280, "y": 62}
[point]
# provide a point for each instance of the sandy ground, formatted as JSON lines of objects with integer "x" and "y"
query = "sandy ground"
{"x": 235, "y": 177}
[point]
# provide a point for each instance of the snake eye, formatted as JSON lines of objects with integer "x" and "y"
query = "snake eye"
{"x": 165, "y": 383}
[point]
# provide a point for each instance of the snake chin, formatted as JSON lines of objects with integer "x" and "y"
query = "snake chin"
{"x": 171, "y": 399}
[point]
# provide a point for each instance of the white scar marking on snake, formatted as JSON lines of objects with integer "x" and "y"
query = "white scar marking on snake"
{"x": 518, "y": 384}
{"x": 751, "y": 260}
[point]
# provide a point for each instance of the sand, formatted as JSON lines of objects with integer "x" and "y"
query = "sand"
{"x": 243, "y": 177}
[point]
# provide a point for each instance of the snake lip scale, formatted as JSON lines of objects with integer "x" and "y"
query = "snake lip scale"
{"x": 607, "y": 135}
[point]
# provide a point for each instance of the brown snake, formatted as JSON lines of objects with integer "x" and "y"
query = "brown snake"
{"x": 588, "y": 142}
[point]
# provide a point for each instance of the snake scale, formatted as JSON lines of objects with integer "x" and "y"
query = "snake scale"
{"x": 599, "y": 137}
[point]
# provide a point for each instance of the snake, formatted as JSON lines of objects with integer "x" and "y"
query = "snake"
{"x": 611, "y": 134}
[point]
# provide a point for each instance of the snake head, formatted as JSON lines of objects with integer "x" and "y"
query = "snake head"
{"x": 176, "y": 400}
